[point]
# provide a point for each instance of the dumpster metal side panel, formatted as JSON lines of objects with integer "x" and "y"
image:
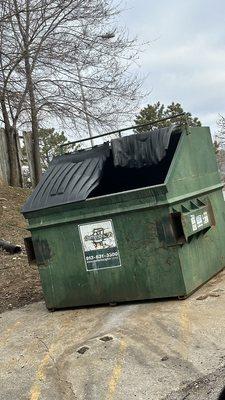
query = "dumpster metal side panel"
{"x": 204, "y": 255}
{"x": 194, "y": 171}
{"x": 194, "y": 167}
{"x": 148, "y": 268}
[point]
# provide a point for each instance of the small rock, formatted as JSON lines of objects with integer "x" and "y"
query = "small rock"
{"x": 202, "y": 297}
{"x": 83, "y": 349}
{"x": 106, "y": 338}
{"x": 165, "y": 358}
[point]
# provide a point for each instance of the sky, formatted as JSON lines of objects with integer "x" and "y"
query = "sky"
{"x": 184, "y": 59}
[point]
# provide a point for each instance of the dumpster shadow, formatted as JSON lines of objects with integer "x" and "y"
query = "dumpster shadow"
{"x": 121, "y": 304}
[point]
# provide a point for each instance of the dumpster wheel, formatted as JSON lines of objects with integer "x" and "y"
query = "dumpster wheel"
{"x": 184, "y": 297}
{"x": 113, "y": 304}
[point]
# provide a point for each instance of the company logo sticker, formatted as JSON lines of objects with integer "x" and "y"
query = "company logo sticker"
{"x": 99, "y": 245}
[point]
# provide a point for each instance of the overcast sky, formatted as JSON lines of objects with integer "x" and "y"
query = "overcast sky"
{"x": 185, "y": 59}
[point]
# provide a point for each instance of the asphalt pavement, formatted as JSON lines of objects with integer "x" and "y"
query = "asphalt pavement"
{"x": 172, "y": 349}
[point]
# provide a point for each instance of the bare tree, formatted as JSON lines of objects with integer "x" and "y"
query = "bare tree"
{"x": 220, "y": 136}
{"x": 66, "y": 61}
{"x": 11, "y": 99}
{"x": 219, "y": 145}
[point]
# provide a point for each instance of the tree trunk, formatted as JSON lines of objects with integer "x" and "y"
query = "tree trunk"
{"x": 35, "y": 150}
{"x": 13, "y": 151}
{"x": 15, "y": 174}
{"x": 85, "y": 106}
{"x": 4, "y": 160}
{"x": 28, "y": 149}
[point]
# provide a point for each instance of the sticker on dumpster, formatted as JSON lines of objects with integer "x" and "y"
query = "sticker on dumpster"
{"x": 193, "y": 223}
{"x": 199, "y": 221}
{"x": 205, "y": 217}
{"x": 99, "y": 245}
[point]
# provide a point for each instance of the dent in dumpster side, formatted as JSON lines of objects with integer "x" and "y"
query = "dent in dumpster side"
{"x": 42, "y": 251}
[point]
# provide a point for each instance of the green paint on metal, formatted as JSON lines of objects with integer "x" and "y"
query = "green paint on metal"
{"x": 153, "y": 250}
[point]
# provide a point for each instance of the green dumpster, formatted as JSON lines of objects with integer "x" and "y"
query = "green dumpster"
{"x": 106, "y": 228}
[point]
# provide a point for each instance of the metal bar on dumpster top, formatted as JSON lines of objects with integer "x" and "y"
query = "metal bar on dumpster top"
{"x": 122, "y": 130}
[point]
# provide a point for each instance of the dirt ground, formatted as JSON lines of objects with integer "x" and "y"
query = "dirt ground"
{"x": 19, "y": 282}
